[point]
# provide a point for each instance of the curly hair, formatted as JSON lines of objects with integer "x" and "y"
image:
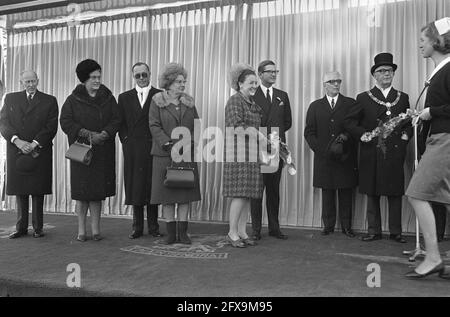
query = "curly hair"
{"x": 441, "y": 43}
{"x": 169, "y": 74}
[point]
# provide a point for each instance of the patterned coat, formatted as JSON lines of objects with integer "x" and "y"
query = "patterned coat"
{"x": 241, "y": 179}
{"x": 380, "y": 174}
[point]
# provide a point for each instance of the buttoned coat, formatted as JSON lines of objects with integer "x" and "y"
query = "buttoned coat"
{"x": 380, "y": 173}
{"x": 324, "y": 124}
{"x": 136, "y": 141}
{"x": 36, "y": 121}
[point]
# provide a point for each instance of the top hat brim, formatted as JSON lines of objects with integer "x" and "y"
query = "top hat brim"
{"x": 374, "y": 67}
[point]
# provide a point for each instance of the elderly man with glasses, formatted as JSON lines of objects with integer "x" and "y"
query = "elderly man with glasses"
{"x": 276, "y": 115}
{"x": 381, "y": 163}
{"x": 335, "y": 164}
{"x": 136, "y": 141}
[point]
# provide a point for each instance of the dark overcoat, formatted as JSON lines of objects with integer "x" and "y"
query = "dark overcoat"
{"x": 323, "y": 125}
{"x": 38, "y": 121}
{"x": 98, "y": 180}
{"x": 380, "y": 173}
{"x": 136, "y": 141}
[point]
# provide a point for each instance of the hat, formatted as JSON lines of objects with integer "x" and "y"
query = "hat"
{"x": 25, "y": 163}
{"x": 337, "y": 149}
{"x": 85, "y": 68}
{"x": 442, "y": 25}
{"x": 235, "y": 72}
{"x": 383, "y": 59}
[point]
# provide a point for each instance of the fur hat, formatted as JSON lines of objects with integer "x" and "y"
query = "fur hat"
{"x": 236, "y": 71}
{"x": 85, "y": 68}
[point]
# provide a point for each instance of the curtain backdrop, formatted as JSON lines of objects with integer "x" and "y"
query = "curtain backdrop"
{"x": 305, "y": 38}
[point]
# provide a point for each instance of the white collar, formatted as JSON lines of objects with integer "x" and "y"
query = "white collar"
{"x": 330, "y": 98}
{"x": 264, "y": 89}
{"x": 439, "y": 67}
{"x": 385, "y": 91}
{"x": 145, "y": 89}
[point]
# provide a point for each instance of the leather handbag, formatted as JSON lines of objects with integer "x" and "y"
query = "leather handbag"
{"x": 179, "y": 177}
{"x": 80, "y": 152}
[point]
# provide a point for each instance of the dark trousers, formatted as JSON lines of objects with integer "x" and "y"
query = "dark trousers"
{"x": 37, "y": 207}
{"x": 152, "y": 218}
{"x": 329, "y": 207}
{"x": 374, "y": 214}
{"x": 272, "y": 186}
{"x": 440, "y": 214}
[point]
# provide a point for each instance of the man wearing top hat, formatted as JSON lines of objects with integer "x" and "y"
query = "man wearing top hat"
{"x": 381, "y": 167}
{"x": 136, "y": 141}
{"x": 335, "y": 163}
{"x": 29, "y": 122}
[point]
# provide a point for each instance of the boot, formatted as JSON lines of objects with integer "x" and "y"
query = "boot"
{"x": 171, "y": 232}
{"x": 182, "y": 232}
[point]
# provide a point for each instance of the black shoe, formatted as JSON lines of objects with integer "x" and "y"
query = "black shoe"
{"x": 256, "y": 236}
{"x": 348, "y": 232}
{"x": 17, "y": 234}
{"x": 440, "y": 238}
{"x": 38, "y": 234}
{"x": 155, "y": 234}
{"x": 135, "y": 235}
{"x": 278, "y": 235}
{"x": 398, "y": 238}
{"x": 445, "y": 273}
{"x": 371, "y": 237}
{"x": 440, "y": 268}
{"x": 97, "y": 237}
{"x": 326, "y": 231}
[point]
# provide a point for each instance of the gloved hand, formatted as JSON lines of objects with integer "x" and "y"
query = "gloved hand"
{"x": 97, "y": 139}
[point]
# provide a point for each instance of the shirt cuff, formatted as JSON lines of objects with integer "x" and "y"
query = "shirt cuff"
{"x": 14, "y": 137}
{"x": 37, "y": 143}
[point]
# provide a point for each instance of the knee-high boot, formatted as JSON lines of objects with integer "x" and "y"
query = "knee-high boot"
{"x": 182, "y": 232}
{"x": 171, "y": 232}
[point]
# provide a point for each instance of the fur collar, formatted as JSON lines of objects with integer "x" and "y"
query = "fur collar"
{"x": 103, "y": 95}
{"x": 161, "y": 100}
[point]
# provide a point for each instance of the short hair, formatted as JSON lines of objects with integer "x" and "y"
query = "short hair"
{"x": 243, "y": 76}
{"x": 28, "y": 70}
{"x": 169, "y": 74}
{"x": 140, "y": 64}
{"x": 441, "y": 43}
{"x": 264, "y": 64}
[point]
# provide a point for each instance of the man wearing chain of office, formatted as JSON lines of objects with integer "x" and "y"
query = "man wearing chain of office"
{"x": 381, "y": 163}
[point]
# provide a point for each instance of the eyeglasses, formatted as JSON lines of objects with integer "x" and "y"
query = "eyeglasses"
{"x": 180, "y": 82}
{"x": 141, "y": 75}
{"x": 334, "y": 81}
{"x": 272, "y": 72}
{"x": 385, "y": 71}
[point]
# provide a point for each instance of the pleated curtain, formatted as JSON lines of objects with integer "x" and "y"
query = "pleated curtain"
{"x": 305, "y": 38}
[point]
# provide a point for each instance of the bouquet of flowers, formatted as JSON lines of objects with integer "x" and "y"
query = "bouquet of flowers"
{"x": 384, "y": 130}
{"x": 281, "y": 148}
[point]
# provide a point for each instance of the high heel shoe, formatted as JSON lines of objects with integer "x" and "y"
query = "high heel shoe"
{"x": 236, "y": 243}
{"x": 249, "y": 241}
{"x": 440, "y": 268}
{"x": 81, "y": 238}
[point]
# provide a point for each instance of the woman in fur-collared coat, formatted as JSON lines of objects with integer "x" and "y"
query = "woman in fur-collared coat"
{"x": 170, "y": 109}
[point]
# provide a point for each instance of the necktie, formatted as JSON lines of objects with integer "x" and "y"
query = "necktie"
{"x": 29, "y": 99}
{"x": 332, "y": 103}
{"x": 268, "y": 97}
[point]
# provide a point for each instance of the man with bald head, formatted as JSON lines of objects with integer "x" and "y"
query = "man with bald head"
{"x": 29, "y": 122}
{"x": 335, "y": 164}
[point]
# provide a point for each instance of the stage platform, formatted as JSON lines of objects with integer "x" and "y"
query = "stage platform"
{"x": 307, "y": 264}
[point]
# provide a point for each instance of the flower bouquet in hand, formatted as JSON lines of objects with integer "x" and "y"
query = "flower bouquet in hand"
{"x": 384, "y": 130}
{"x": 281, "y": 148}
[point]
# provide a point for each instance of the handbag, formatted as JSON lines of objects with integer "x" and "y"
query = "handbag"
{"x": 80, "y": 152}
{"x": 179, "y": 177}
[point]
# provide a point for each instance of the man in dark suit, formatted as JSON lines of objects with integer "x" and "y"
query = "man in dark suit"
{"x": 276, "y": 115}
{"x": 381, "y": 164}
{"x": 29, "y": 122}
{"x": 136, "y": 141}
{"x": 335, "y": 164}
